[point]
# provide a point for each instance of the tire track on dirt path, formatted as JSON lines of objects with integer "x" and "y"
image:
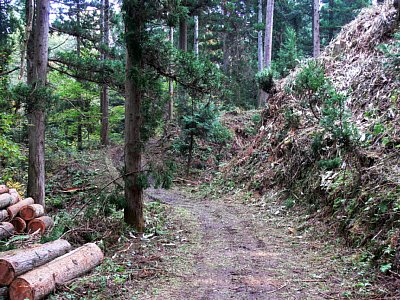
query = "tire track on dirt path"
{"x": 238, "y": 251}
{"x": 232, "y": 261}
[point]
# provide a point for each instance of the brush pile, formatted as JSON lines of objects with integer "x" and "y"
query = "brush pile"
{"x": 354, "y": 183}
{"x": 19, "y": 215}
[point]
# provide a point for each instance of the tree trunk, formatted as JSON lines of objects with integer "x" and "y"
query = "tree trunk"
{"x": 171, "y": 82}
{"x": 13, "y": 210}
{"x": 196, "y": 36}
{"x": 6, "y": 230}
{"x": 40, "y": 282}
{"x": 134, "y": 29}
{"x": 104, "y": 89}
{"x": 19, "y": 224}
{"x": 36, "y": 112}
{"x": 269, "y": 23}
{"x": 32, "y": 211}
{"x": 17, "y": 262}
{"x": 331, "y": 20}
{"x": 260, "y": 39}
{"x": 42, "y": 224}
{"x": 183, "y": 34}
{"x": 316, "y": 37}
{"x": 81, "y": 103}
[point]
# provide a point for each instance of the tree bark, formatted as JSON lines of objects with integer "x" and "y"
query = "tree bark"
{"x": 80, "y": 101}
{"x": 171, "y": 82}
{"x": 40, "y": 282}
{"x": 331, "y": 30}
{"x": 42, "y": 224}
{"x": 3, "y": 215}
{"x": 5, "y": 200}
{"x": 32, "y": 211}
{"x": 260, "y": 39}
{"x": 183, "y": 34}
{"x": 316, "y": 36}
{"x": 19, "y": 224}
{"x": 36, "y": 112}
{"x": 17, "y": 262}
{"x": 134, "y": 29}
{"x": 13, "y": 210}
{"x": 6, "y": 230}
{"x": 104, "y": 101}
{"x": 3, "y": 189}
{"x": 269, "y": 23}
{"x": 196, "y": 36}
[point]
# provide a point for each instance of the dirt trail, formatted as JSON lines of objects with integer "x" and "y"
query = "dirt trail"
{"x": 240, "y": 252}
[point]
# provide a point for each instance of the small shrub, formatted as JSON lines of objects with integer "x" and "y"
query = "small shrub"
{"x": 265, "y": 80}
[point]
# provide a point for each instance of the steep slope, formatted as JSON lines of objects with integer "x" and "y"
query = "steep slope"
{"x": 331, "y": 138}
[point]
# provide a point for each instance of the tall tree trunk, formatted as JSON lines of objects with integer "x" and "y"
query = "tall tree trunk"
{"x": 104, "y": 89}
{"x": 269, "y": 21}
{"x": 81, "y": 103}
{"x": 36, "y": 113}
{"x": 331, "y": 20}
{"x": 183, "y": 34}
{"x": 259, "y": 38}
{"x": 171, "y": 82}
{"x": 134, "y": 29}
{"x": 196, "y": 36}
{"x": 316, "y": 36}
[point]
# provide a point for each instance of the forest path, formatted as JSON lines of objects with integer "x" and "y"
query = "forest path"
{"x": 241, "y": 252}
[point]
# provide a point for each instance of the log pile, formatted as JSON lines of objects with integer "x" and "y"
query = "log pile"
{"x": 19, "y": 215}
{"x": 35, "y": 272}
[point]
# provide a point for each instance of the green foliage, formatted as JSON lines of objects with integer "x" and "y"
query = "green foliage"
{"x": 392, "y": 52}
{"x": 265, "y": 80}
{"x": 288, "y": 55}
{"x": 330, "y": 164}
{"x": 309, "y": 81}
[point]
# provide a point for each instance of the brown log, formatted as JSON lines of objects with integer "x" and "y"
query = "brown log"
{"x": 41, "y": 223}
{"x": 17, "y": 262}
{"x": 31, "y": 211}
{"x": 13, "y": 210}
{"x": 4, "y": 293}
{"x": 19, "y": 224}
{"x": 3, "y": 189}
{"x": 3, "y": 215}
{"x": 6, "y": 230}
{"x": 41, "y": 281}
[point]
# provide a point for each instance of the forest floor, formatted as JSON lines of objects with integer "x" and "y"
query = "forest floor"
{"x": 230, "y": 250}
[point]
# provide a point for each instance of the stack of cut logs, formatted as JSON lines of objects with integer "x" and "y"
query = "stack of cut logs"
{"x": 33, "y": 273}
{"x": 20, "y": 215}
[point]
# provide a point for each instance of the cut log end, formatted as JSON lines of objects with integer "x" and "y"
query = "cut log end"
{"x": 7, "y": 272}
{"x": 19, "y": 224}
{"x": 21, "y": 290}
{"x": 42, "y": 224}
{"x": 32, "y": 211}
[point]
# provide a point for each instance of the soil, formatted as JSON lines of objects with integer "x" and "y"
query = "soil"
{"x": 237, "y": 251}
